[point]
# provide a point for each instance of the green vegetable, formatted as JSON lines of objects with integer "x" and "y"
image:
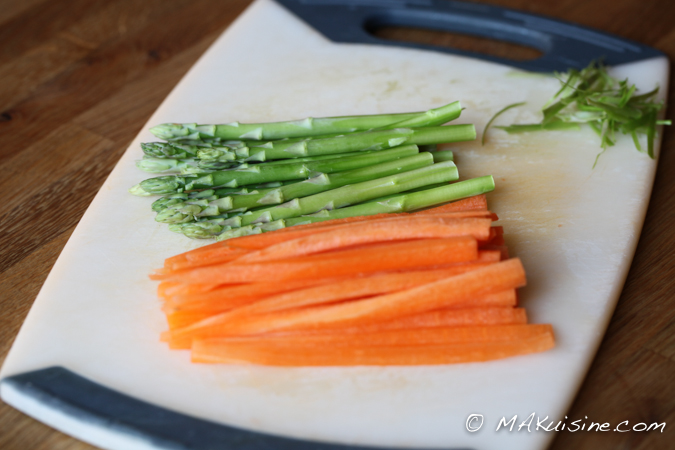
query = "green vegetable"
{"x": 264, "y": 173}
{"x": 395, "y": 204}
{"x": 241, "y": 201}
{"x": 305, "y": 127}
{"x": 320, "y": 183}
{"x": 354, "y": 193}
{"x": 609, "y": 106}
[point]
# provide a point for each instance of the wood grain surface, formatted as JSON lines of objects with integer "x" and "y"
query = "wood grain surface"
{"x": 79, "y": 78}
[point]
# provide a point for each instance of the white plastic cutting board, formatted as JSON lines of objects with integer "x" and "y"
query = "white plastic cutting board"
{"x": 575, "y": 229}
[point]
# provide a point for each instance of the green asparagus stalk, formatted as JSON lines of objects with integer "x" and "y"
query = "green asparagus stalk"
{"x": 354, "y": 193}
{"x": 211, "y": 194}
{"x": 263, "y": 173}
{"x": 170, "y": 165}
{"x": 305, "y": 127}
{"x": 443, "y": 155}
{"x": 355, "y": 142}
{"x": 315, "y": 185}
{"x": 180, "y": 150}
{"x": 211, "y": 227}
{"x": 406, "y": 202}
{"x": 204, "y": 206}
{"x": 322, "y": 145}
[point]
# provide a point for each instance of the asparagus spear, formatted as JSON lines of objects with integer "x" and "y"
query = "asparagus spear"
{"x": 395, "y": 204}
{"x": 406, "y": 202}
{"x": 263, "y": 173}
{"x": 211, "y": 227}
{"x": 305, "y": 127}
{"x": 170, "y": 165}
{"x": 207, "y": 203}
{"x": 354, "y": 193}
{"x": 275, "y": 196}
{"x": 180, "y": 150}
{"x": 369, "y": 140}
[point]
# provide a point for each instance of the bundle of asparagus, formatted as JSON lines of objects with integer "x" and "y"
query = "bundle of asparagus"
{"x": 237, "y": 179}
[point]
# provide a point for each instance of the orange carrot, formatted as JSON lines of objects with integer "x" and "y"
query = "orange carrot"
{"x": 491, "y": 315}
{"x": 402, "y": 228}
{"x": 465, "y": 289}
{"x": 366, "y": 259}
{"x": 224, "y": 254}
{"x": 229, "y": 323}
{"x": 400, "y": 347}
{"x": 295, "y": 295}
{"x": 477, "y": 202}
{"x": 227, "y": 297}
{"x": 498, "y": 309}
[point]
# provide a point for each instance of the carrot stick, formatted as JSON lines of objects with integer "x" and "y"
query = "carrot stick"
{"x": 168, "y": 289}
{"x": 402, "y": 228}
{"x": 366, "y": 259}
{"x": 233, "y": 296}
{"x": 296, "y": 295}
{"x": 465, "y": 289}
{"x": 477, "y": 202}
{"x": 502, "y": 312}
{"x": 206, "y": 258}
{"x": 211, "y": 254}
{"x": 228, "y": 323}
{"x": 401, "y": 347}
{"x": 491, "y": 315}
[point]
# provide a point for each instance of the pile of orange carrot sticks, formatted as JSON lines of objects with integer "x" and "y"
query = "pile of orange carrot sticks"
{"x": 431, "y": 287}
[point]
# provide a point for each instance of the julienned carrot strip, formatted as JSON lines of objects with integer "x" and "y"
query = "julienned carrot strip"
{"x": 257, "y": 241}
{"x": 180, "y": 290}
{"x": 182, "y": 319}
{"x": 367, "y": 259}
{"x": 351, "y": 288}
{"x": 462, "y": 289}
{"x": 328, "y": 292}
{"x": 196, "y": 296}
{"x": 405, "y": 336}
{"x": 205, "y": 258}
{"x": 211, "y": 254}
{"x": 229, "y": 324}
{"x": 185, "y": 311}
{"x": 402, "y": 228}
{"x": 210, "y": 257}
{"x": 491, "y": 315}
{"x": 260, "y": 241}
{"x": 477, "y": 202}
{"x": 432, "y": 346}
{"x": 235, "y": 296}
{"x": 501, "y": 249}
{"x": 498, "y": 309}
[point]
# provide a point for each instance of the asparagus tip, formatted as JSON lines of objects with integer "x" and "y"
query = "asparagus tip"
{"x": 165, "y": 131}
{"x": 139, "y": 191}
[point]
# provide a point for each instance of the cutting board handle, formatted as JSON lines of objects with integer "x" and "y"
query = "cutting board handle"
{"x": 563, "y": 45}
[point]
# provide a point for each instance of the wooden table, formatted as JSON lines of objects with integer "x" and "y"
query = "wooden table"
{"x": 79, "y": 78}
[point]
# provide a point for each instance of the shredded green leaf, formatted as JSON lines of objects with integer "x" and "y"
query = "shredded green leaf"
{"x": 506, "y": 108}
{"x": 609, "y": 106}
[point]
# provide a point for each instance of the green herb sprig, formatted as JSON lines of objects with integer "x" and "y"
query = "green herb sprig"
{"x": 609, "y": 106}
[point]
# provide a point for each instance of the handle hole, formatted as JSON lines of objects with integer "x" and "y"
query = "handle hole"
{"x": 458, "y": 41}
